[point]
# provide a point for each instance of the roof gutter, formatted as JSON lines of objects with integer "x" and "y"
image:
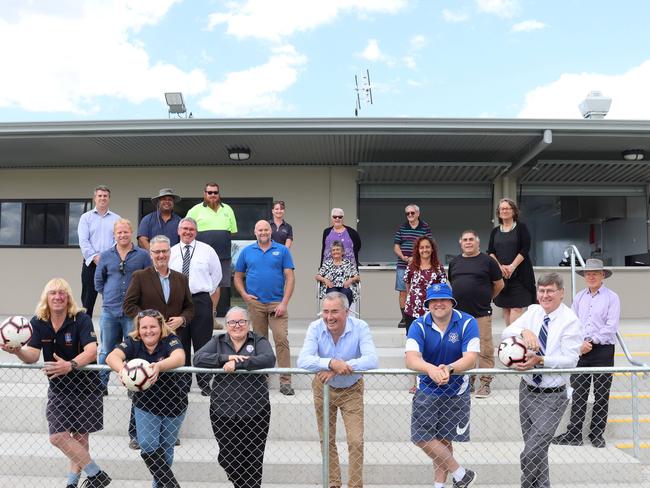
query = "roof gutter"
{"x": 545, "y": 141}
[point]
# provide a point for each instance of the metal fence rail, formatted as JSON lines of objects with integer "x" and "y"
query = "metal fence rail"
{"x": 295, "y": 455}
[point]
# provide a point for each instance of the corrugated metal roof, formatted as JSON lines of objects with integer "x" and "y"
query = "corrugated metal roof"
{"x": 588, "y": 172}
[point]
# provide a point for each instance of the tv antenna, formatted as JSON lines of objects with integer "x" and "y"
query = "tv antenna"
{"x": 365, "y": 91}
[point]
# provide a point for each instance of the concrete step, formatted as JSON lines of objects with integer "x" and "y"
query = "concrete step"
{"x": 385, "y": 463}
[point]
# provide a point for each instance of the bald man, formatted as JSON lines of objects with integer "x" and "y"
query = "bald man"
{"x": 268, "y": 269}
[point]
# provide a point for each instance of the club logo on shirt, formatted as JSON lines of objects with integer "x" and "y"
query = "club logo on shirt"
{"x": 173, "y": 342}
{"x": 250, "y": 348}
{"x": 453, "y": 337}
{"x": 68, "y": 338}
{"x": 276, "y": 253}
{"x": 93, "y": 335}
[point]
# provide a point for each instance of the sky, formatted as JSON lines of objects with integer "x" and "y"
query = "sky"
{"x": 75, "y": 60}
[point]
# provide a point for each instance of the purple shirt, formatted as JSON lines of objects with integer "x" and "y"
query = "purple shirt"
{"x": 348, "y": 246}
{"x": 599, "y": 314}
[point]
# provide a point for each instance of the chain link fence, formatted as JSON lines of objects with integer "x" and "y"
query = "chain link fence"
{"x": 262, "y": 438}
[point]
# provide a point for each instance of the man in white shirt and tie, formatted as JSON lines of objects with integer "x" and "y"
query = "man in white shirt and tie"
{"x": 553, "y": 334}
{"x": 200, "y": 263}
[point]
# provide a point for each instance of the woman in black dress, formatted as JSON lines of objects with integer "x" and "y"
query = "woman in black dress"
{"x": 509, "y": 246}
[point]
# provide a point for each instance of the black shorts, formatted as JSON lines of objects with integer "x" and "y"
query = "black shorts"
{"x": 81, "y": 413}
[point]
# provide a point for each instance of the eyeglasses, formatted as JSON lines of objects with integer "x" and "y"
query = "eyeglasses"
{"x": 150, "y": 312}
{"x": 216, "y": 192}
{"x": 337, "y": 216}
{"x": 122, "y": 268}
{"x": 159, "y": 251}
{"x": 547, "y": 292}
{"x": 410, "y": 213}
{"x": 237, "y": 323}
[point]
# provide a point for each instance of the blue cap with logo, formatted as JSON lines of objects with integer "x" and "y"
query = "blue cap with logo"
{"x": 439, "y": 291}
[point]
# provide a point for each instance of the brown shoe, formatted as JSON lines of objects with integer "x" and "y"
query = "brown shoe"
{"x": 483, "y": 391}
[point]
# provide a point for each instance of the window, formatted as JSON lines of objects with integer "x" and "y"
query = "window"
{"x": 41, "y": 223}
{"x": 247, "y": 212}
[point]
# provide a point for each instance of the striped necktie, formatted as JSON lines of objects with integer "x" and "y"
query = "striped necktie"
{"x": 543, "y": 335}
{"x": 187, "y": 257}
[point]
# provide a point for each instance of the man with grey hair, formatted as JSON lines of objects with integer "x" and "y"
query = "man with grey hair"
{"x": 200, "y": 263}
{"x": 553, "y": 334}
{"x": 95, "y": 231}
{"x": 405, "y": 237}
{"x": 336, "y": 347}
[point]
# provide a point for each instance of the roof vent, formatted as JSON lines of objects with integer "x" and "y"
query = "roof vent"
{"x": 595, "y": 106}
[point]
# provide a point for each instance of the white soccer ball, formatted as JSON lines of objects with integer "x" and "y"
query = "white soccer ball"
{"x": 16, "y": 331}
{"x": 512, "y": 350}
{"x": 136, "y": 375}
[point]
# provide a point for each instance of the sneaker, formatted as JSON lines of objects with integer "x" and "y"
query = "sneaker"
{"x": 133, "y": 444}
{"x": 402, "y": 323}
{"x": 217, "y": 325}
{"x": 100, "y": 480}
{"x": 177, "y": 442}
{"x": 468, "y": 479}
{"x": 567, "y": 439}
{"x": 483, "y": 391}
{"x": 286, "y": 389}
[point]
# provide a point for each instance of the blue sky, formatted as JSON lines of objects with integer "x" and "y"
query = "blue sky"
{"x": 114, "y": 59}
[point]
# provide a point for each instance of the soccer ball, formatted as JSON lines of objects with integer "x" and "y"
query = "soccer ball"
{"x": 16, "y": 331}
{"x": 136, "y": 375}
{"x": 512, "y": 351}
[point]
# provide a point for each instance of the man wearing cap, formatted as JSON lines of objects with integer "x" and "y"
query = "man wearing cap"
{"x": 441, "y": 344}
{"x": 163, "y": 221}
{"x": 599, "y": 311}
{"x": 553, "y": 335}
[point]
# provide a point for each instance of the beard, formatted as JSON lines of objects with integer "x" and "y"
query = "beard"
{"x": 213, "y": 206}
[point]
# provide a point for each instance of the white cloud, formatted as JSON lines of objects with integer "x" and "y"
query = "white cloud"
{"x": 256, "y": 90}
{"x": 372, "y": 52}
{"x": 500, "y": 8}
{"x": 418, "y": 42}
{"x": 528, "y": 25}
{"x": 409, "y": 62}
{"x": 451, "y": 16}
{"x": 278, "y": 19}
{"x": 560, "y": 99}
{"x": 414, "y": 83}
{"x": 65, "y": 58}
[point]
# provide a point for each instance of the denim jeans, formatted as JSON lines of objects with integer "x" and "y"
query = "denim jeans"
{"x": 112, "y": 330}
{"x": 158, "y": 431}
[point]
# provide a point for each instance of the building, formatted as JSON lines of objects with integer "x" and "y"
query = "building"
{"x": 570, "y": 177}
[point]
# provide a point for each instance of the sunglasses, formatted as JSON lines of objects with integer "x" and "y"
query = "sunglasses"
{"x": 150, "y": 312}
{"x": 159, "y": 251}
{"x": 410, "y": 213}
{"x": 212, "y": 192}
{"x": 337, "y": 216}
{"x": 122, "y": 268}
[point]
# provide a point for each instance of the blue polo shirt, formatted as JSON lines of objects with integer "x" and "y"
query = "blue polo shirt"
{"x": 265, "y": 270}
{"x": 153, "y": 225}
{"x": 167, "y": 396}
{"x": 437, "y": 348}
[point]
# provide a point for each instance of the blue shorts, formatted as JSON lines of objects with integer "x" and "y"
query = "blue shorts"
{"x": 400, "y": 285}
{"x": 440, "y": 417}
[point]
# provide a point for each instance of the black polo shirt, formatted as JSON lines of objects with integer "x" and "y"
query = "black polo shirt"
{"x": 282, "y": 232}
{"x": 68, "y": 342}
{"x": 166, "y": 396}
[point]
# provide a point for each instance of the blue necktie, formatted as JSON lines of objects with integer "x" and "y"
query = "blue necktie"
{"x": 543, "y": 334}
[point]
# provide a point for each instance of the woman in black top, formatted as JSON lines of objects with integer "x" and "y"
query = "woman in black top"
{"x": 159, "y": 410}
{"x": 509, "y": 246}
{"x": 240, "y": 410}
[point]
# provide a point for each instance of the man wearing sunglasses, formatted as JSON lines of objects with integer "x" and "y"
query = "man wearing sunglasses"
{"x": 403, "y": 242}
{"x": 112, "y": 278}
{"x": 216, "y": 223}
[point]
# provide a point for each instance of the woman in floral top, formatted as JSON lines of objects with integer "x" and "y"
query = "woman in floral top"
{"x": 424, "y": 270}
{"x": 338, "y": 272}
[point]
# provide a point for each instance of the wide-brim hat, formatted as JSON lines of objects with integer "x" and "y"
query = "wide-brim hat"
{"x": 594, "y": 264}
{"x": 166, "y": 192}
{"x": 439, "y": 291}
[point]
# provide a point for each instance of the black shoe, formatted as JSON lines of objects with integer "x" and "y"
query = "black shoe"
{"x": 71, "y": 486}
{"x": 468, "y": 479}
{"x": 177, "y": 442}
{"x": 105, "y": 391}
{"x": 286, "y": 389}
{"x": 567, "y": 439}
{"x": 598, "y": 442}
{"x": 133, "y": 444}
{"x": 402, "y": 323}
{"x": 100, "y": 480}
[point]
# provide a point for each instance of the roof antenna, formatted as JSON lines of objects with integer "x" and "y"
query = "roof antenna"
{"x": 365, "y": 90}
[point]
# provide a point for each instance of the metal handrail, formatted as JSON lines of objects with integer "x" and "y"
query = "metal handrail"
{"x": 572, "y": 253}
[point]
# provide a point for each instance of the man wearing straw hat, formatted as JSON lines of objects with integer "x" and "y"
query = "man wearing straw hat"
{"x": 599, "y": 311}
{"x": 162, "y": 221}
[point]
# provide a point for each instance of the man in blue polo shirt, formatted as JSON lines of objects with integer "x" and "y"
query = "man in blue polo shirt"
{"x": 442, "y": 343}
{"x": 268, "y": 268}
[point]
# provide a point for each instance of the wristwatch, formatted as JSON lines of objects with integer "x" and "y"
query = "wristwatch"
{"x": 73, "y": 364}
{"x": 451, "y": 369}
